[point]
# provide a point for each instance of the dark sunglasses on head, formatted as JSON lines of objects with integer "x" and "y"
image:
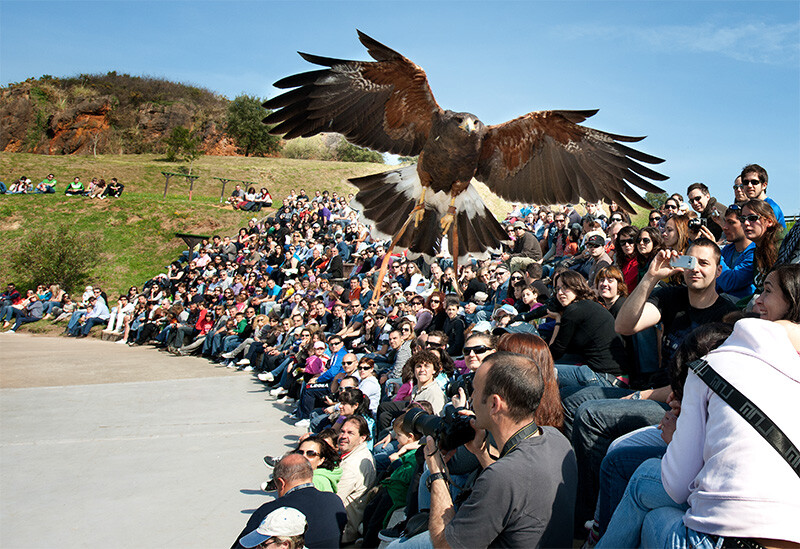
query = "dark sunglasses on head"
{"x": 752, "y": 218}
{"x": 477, "y": 349}
{"x": 307, "y": 453}
{"x": 644, "y": 241}
{"x": 627, "y": 242}
{"x": 734, "y": 207}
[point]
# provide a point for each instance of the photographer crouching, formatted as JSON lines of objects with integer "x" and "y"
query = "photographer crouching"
{"x": 525, "y": 494}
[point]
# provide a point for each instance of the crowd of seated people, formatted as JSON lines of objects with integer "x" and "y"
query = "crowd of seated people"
{"x": 598, "y": 304}
{"x": 98, "y": 188}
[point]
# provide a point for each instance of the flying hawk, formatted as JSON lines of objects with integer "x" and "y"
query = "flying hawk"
{"x": 387, "y": 105}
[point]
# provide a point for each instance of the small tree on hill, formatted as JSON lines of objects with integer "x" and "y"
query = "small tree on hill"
{"x": 183, "y": 144}
{"x": 347, "y": 152}
{"x": 244, "y": 124}
{"x": 57, "y": 255}
{"x": 656, "y": 199}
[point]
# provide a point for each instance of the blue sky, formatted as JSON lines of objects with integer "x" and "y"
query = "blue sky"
{"x": 714, "y": 85}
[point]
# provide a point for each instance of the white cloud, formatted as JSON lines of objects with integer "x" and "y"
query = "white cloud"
{"x": 755, "y": 42}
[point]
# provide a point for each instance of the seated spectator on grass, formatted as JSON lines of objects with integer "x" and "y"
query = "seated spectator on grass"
{"x": 47, "y": 185}
{"x": 31, "y": 312}
{"x": 96, "y": 188}
{"x": 75, "y": 188}
{"x": 114, "y": 189}
{"x": 21, "y": 186}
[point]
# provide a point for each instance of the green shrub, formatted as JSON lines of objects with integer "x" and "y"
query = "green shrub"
{"x": 57, "y": 255}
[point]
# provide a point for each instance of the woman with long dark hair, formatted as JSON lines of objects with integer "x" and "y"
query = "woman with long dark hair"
{"x": 626, "y": 257}
{"x": 584, "y": 344}
{"x": 762, "y": 227}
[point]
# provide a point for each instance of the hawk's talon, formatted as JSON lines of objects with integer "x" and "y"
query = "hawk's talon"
{"x": 418, "y": 213}
{"x": 446, "y": 222}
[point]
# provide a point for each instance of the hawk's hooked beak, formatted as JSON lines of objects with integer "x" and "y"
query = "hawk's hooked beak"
{"x": 468, "y": 125}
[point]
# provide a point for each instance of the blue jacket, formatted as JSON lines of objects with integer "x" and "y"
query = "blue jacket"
{"x": 738, "y": 272}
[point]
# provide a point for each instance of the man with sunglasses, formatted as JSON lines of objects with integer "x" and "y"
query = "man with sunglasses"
{"x": 707, "y": 206}
{"x": 526, "y": 250}
{"x": 754, "y": 181}
{"x": 738, "y": 273}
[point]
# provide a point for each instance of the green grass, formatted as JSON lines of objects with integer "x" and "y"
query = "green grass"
{"x": 136, "y": 233}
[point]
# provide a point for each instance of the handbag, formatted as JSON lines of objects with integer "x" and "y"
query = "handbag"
{"x": 750, "y": 412}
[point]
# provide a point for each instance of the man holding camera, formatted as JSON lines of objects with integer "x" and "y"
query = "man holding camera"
{"x": 525, "y": 495}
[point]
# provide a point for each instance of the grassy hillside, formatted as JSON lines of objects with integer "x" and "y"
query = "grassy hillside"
{"x": 136, "y": 233}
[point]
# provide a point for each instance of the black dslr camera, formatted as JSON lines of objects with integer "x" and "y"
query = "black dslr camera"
{"x": 697, "y": 222}
{"x": 461, "y": 382}
{"x": 450, "y": 432}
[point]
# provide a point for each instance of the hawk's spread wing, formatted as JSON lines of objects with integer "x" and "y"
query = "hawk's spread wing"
{"x": 546, "y": 157}
{"x": 385, "y": 105}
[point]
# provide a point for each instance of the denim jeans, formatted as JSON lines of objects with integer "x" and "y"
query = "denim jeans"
{"x": 90, "y": 323}
{"x": 596, "y": 423}
{"x": 616, "y": 471}
{"x": 645, "y": 493}
{"x": 308, "y": 397}
{"x": 571, "y": 375}
{"x": 420, "y": 541}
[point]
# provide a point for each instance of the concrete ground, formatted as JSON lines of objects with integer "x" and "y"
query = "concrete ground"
{"x": 102, "y": 445}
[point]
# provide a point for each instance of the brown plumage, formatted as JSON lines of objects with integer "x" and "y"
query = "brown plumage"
{"x": 387, "y": 105}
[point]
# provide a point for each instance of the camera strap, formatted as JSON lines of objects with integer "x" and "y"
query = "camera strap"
{"x": 526, "y": 432}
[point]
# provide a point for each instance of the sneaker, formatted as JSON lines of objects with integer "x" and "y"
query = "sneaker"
{"x": 268, "y": 377}
{"x": 268, "y": 486}
{"x": 282, "y": 400}
{"x": 231, "y": 364}
{"x": 247, "y": 369}
{"x": 278, "y": 391}
{"x": 227, "y": 355}
{"x": 262, "y": 377}
{"x": 11, "y": 332}
{"x": 271, "y": 461}
{"x": 393, "y": 533}
{"x": 244, "y": 362}
{"x": 303, "y": 423}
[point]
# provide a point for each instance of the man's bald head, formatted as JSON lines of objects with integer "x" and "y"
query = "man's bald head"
{"x": 293, "y": 470}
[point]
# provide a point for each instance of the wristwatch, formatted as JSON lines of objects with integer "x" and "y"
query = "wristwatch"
{"x": 433, "y": 478}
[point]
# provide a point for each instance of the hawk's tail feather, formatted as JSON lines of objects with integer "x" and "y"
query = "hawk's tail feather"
{"x": 386, "y": 200}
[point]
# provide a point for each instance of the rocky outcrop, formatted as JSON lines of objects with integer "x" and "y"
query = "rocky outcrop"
{"x": 41, "y": 118}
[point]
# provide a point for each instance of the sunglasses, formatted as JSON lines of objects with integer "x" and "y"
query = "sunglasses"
{"x": 478, "y": 349}
{"x": 655, "y": 218}
{"x": 644, "y": 241}
{"x": 348, "y": 362}
{"x": 736, "y": 187}
{"x": 752, "y": 218}
{"x": 431, "y": 345}
{"x": 307, "y": 453}
{"x": 616, "y": 219}
{"x": 516, "y": 278}
{"x": 751, "y": 182}
{"x": 695, "y": 199}
{"x": 593, "y": 245}
{"x": 364, "y": 368}
{"x": 627, "y": 242}
{"x": 670, "y": 207}
{"x": 435, "y": 301}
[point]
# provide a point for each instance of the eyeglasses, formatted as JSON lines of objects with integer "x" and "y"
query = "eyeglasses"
{"x": 477, "y": 349}
{"x": 307, "y": 453}
{"x": 644, "y": 241}
{"x": 616, "y": 219}
{"x": 559, "y": 220}
{"x": 695, "y": 198}
{"x": 655, "y": 217}
{"x": 751, "y": 182}
{"x": 406, "y": 330}
{"x": 435, "y": 301}
{"x": 366, "y": 367}
{"x": 513, "y": 278}
{"x": 348, "y": 362}
{"x": 593, "y": 245}
{"x": 670, "y": 207}
{"x": 627, "y": 242}
{"x": 752, "y": 218}
{"x": 433, "y": 345}
{"x": 734, "y": 207}
{"x": 737, "y": 187}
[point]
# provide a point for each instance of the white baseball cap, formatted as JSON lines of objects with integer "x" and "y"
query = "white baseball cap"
{"x": 282, "y": 522}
